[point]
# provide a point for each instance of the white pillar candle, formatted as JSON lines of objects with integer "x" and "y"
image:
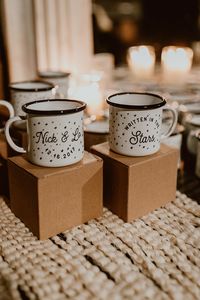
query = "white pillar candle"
{"x": 176, "y": 62}
{"x": 141, "y": 60}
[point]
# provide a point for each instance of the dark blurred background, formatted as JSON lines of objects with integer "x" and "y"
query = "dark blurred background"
{"x": 119, "y": 24}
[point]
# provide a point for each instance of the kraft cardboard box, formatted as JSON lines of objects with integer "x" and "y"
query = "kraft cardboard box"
{"x": 135, "y": 186}
{"x": 5, "y": 152}
{"x": 4, "y": 187}
{"x": 5, "y": 149}
{"x": 51, "y": 200}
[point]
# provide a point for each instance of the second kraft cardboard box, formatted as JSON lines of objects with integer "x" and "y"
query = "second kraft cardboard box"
{"x": 135, "y": 186}
{"x": 51, "y": 200}
{"x": 5, "y": 152}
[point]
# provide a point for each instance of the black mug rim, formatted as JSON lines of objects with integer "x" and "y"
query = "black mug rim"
{"x": 136, "y": 107}
{"x": 39, "y": 89}
{"x": 54, "y": 112}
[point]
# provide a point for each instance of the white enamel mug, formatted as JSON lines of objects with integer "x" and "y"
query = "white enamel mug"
{"x": 135, "y": 121}
{"x": 55, "y": 132}
{"x": 59, "y": 79}
{"x": 28, "y": 91}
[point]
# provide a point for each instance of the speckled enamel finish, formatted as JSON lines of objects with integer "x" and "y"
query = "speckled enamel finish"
{"x": 55, "y": 141}
{"x": 27, "y": 91}
{"x": 135, "y": 121}
{"x": 54, "y": 131}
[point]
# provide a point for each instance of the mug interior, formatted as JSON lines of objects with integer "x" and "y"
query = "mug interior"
{"x": 136, "y": 100}
{"x": 53, "y": 106}
{"x": 31, "y": 86}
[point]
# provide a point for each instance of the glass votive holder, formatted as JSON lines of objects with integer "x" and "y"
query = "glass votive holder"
{"x": 89, "y": 88}
{"x": 104, "y": 62}
{"x": 176, "y": 63}
{"x": 141, "y": 61}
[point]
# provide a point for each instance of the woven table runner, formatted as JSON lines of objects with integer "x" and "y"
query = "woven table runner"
{"x": 154, "y": 257}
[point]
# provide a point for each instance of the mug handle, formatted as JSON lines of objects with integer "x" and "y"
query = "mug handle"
{"x": 8, "y": 106}
{"x": 174, "y": 121}
{"x": 8, "y": 137}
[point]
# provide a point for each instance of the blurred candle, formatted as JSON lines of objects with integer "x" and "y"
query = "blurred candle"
{"x": 104, "y": 62}
{"x": 141, "y": 60}
{"x": 176, "y": 61}
{"x": 87, "y": 87}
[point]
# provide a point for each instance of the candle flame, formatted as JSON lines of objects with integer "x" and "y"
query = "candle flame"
{"x": 177, "y": 59}
{"x": 142, "y": 60}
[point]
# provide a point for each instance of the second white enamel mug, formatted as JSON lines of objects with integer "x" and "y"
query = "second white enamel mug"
{"x": 135, "y": 121}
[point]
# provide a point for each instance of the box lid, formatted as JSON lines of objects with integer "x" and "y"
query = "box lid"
{"x": 43, "y": 172}
{"x": 130, "y": 160}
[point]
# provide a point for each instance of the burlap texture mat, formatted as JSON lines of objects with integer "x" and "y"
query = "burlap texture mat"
{"x": 154, "y": 257}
